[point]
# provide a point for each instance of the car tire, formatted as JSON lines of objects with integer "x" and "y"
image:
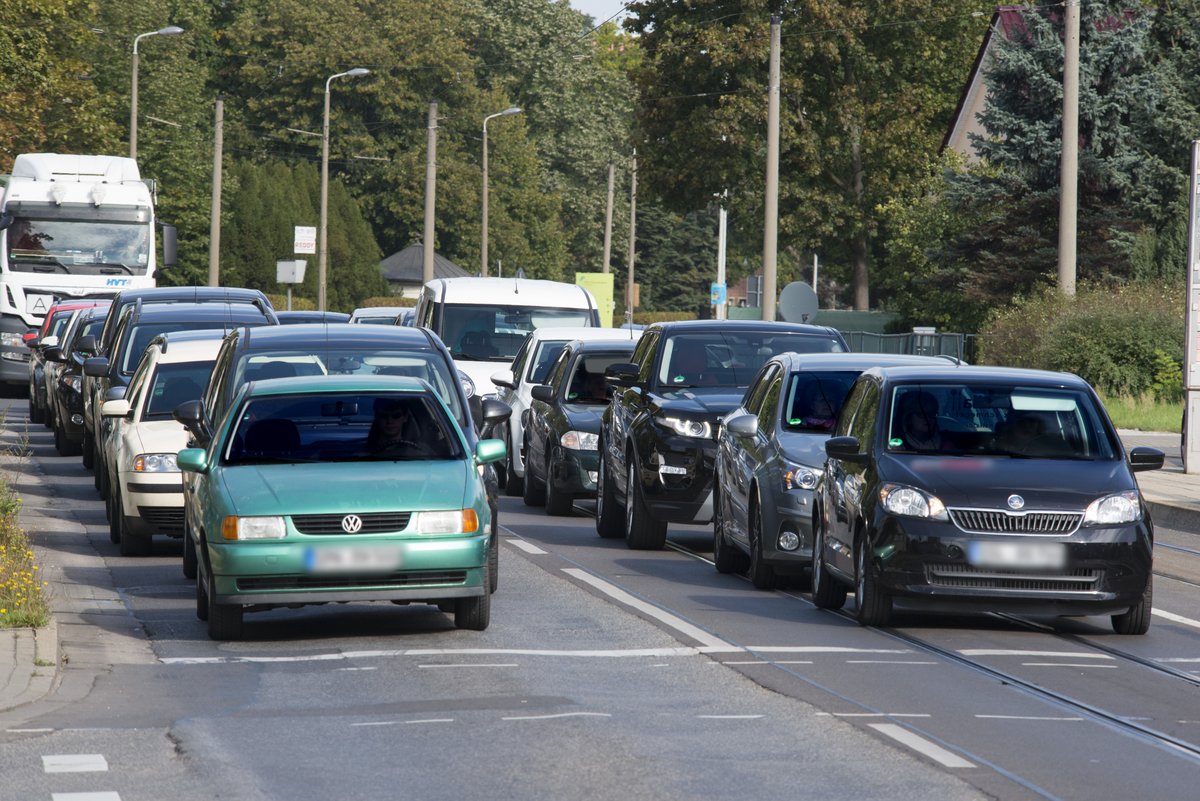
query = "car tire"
{"x": 224, "y": 620}
{"x": 131, "y": 544}
{"x": 1137, "y": 619}
{"x": 513, "y": 484}
{"x": 60, "y": 442}
{"x": 874, "y": 604}
{"x": 761, "y": 574}
{"x": 474, "y": 614}
{"x": 101, "y": 473}
{"x": 114, "y": 529}
{"x": 89, "y": 454}
{"x": 36, "y": 414}
{"x": 827, "y": 592}
{"x": 190, "y": 560}
{"x": 494, "y": 562}
{"x": 557, "y": 503}
{"x": 609, "y": 522}
{"x": 726, "y": 557}
{"x": 201, "y": 598}
{"x": 642, "y": 532}
{"x": 534, "y": 491}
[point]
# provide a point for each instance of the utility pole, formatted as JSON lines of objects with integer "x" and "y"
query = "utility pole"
{"x": 771, "y": 226}
{"x": 1068, "y": 210}
{"x": 608, "y": 212}
{"x": 722, "y": 219}
{"x": 632, "y": 238}
{"x": 214, "y": 225}
{"x": 430, "y": 192}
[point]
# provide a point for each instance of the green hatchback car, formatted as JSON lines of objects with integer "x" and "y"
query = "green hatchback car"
{"x": 338, "y": 489}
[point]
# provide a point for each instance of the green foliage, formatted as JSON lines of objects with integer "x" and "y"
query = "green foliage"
{"x": 387, "y": 300}
{"x": 676, "y": 260}
{"x": 1122, "y": 341}
{"x": 280, "y": 302}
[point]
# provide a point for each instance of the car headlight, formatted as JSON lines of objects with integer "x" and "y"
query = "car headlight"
{"x": 580, "y": 441}
{"x": 467, "y": 384}
{"x": 155, "y": 463}
{"x": 11, "y": 340}
{"x": 1124, "y": 507}
{"x": 688, "y": 428}
{"x": 905, "y": 501}
{"x": 72, "y": 382}
{"x": 253, "y": 528}
{"x": 800, "y": 477}
{"x": 455, "y": 521}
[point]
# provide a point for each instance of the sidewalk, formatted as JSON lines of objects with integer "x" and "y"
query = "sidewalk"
{"x": 30, "y": 658}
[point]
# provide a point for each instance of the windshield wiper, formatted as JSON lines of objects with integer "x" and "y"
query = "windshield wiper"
{"x": 128, "y": 270}
{"x": 38, "y": 260}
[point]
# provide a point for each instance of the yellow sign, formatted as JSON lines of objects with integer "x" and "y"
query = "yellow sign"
{"x": 601, "y": 287}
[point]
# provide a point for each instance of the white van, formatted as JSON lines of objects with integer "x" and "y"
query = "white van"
{"x": 484, "y": 321}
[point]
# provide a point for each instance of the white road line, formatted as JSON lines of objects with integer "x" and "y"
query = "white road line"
{"x": 1067, "y": 664}
{"x": 1187, "y": 621}
{"x": 1027, "y": 717}
{"x": 919, "y": 744}
{"x": 1164, "y": 659}
{"x": 623, "y": 653}
{"x": 562, "y": 715}
{"x": 1006, "y": 652}
{"x": 74, "y": 763}
{"x": 472, "y": 665}
{"x": 359, "y": 668}
{"x": 403, "y": 722}
{"x": 763, "y": 662}
{"x": 104, "y": 796}
{"x": 887, "y": 662}
{"x": 711, "y": 644}
{"x": 526, "y": 547}
{"x": 28, "y": 731}
{"x": 872, "y": 715}
{"x": 730, "y": 717}
{"x": 822, "y": 649}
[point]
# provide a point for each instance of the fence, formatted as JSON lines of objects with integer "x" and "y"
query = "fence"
{"x": 960, "y": 346}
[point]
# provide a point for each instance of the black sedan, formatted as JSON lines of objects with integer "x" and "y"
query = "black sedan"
{"x": 982, "y": 489}
{"x": 66, "y": 373}
{"x": 563, "y": 424}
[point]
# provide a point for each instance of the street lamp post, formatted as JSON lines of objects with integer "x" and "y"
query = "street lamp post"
{"x": 323, "y": 251}
{"x": 483, "y": 241}
{"x": 170, "y": 30}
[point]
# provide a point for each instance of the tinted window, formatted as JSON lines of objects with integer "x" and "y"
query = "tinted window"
{"x": 547, "y": 351}
{"x": 587, "y": 378}
{"x": 142, "y": 334}
{"x": 730, "y": 359}
{"x": 815, "y": 399}
{"x": 862, "y": 426}
{"x": 766, "y": 416}
{"x": 172, "y": 385}
{"x": 496, "y": 332}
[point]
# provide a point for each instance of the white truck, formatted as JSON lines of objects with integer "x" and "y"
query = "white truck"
{"x": 70, "y": 226}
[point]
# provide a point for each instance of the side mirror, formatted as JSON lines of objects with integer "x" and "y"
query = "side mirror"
{"x": 115, "y": 408}
{"x": 494, "y": 412}
{"x": 48, "y": 342}
{"x": 1142, "y": 458}
{"x": 113, "y": 393}
{"x": 504, "y": 378}
{"x": 543, "y": 392}
{"x": 168, "y": 243}
{"x": 96, "y": 366}
{"x": 54, "y": 354}
{"x": 846, "y": 449}
{"x": 487, "y": 450}
{"x": 190, "y": 414}
{"x": 6, "y": 219}
{"x": 195, "y": 460}
{"x": 622, "y": 374}
{"x": 743, "y": 425}
{"x": 86, "y": 344}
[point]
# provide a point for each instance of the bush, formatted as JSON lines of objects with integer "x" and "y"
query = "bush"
{"x": 648, "y": 317}
{"x": 22, "y": 600}
{"x": 1126, "y": 340}
{"x": 388, "y": 300}
{"x": 298, "y": 303}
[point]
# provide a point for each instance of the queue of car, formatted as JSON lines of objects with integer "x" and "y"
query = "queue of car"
{"x": 324, "y": 462}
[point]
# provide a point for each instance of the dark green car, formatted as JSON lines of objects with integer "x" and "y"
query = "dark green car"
{"x": 339, "y": 489}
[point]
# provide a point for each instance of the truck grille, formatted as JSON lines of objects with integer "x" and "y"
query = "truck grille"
{"x": 999, "y": 521}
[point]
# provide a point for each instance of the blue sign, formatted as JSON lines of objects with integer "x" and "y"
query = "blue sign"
{"x": 718, "y": 294}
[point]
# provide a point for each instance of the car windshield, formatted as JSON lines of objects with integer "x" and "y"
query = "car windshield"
{"x": 495, "y": 333}
{"x": 814, "y": 399}
{"x": 995, "y": 420}
{"x": 423, "y": 363}
{"x": 174, "y": 384}
{"x": 731, "y": 359}
{"x": 342, "y": 427}
{"x": 587, "y": 383}
{"x": 135, "y": 345}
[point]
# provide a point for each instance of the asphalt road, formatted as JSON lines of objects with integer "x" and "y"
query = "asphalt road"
{"x": 606, "y": 673}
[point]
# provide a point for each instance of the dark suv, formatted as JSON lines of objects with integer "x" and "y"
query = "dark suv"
{"x": 982, "y": 489}
{"x": 658, "y": 435}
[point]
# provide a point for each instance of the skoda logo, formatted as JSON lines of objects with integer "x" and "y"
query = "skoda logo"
{"x": 1014, "y": 502}
{"x": 352, "y": 524}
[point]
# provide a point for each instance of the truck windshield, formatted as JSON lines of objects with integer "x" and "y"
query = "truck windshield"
{"x": 78, "y": 247}
{"x": 494, "y": 333}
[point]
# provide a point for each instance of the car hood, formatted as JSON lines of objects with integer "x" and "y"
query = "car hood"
{"x": 161, "y": 436}
{"x": 584, "y": 416}
{"x": 344, "y": 487}
{"x": 698, "y": 401}
{"x": 806, "y": 449}
{"x": 987, "y": 482}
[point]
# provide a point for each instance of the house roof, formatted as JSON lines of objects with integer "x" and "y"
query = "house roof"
{"x": 1006, "y": 20}
{"x": 407, "y": 266}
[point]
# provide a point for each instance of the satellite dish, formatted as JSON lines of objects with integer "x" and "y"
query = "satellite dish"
{"x": 797, "y": 302}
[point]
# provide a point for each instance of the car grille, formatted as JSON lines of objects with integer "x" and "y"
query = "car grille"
{"x": 163, "y": 519}
{"x": 998, "y": 521}
{"x": 427, "y": 578}
{"x": 372, "y": 523}
{"x": 973, "y": 578}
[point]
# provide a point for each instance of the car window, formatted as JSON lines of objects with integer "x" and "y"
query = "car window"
{"x": 173, "y": 384}
{"x": 770, "y": 405}
{"x": 547, "y": 351}
{"x": 814, "y": 399}
{"x": 338, "y": 427}
{"x": 730, "y": 358}
{"x": 754, "y": 395}
{"x": 521, "y": 359}
{"x": 587, "y": 376}
{"x": 862, "y": 425}
{"x": 645, "y": 353}
{"x": 558, "y": 369}
{"x": 142, "y": 334}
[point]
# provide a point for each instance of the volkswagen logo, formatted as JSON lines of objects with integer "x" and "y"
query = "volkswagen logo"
{"x": 352, "y": 524}
{"x": 1014, "y": 502}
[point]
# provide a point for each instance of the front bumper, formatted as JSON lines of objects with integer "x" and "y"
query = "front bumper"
{"x": 677, "y": 479}
{"x": 1104, "y": 570}
{"x": 153, "y": 502}
{"x": 573, "y": 472}
{"x": 788, "y": 512}
{"x": 14, "y": 359}
{"x": 275, "y": 572}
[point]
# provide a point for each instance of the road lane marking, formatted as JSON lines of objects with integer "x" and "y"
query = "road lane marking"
{"x": 1027, "y": 717}
{"x": 561, "y": 715}
{"x": 104, "y": 796}
{"x": 1008, "y": 652}
{"x": 621, "y": 653}
{"x": 473, "y": 665}
{"x": 711, "y": 644}
{"x": 1164, "y": 659}
{"x": 526, "y": 547}
{"x": 359, "y": 668}
{"x": 1187, "y": 621}
{"x": 887, "y": 662}
{"x": 731, "y": 717}
{"x": 919, "y": 744}
{"x": 762, "y": 662}
{"x": 74, "y": 763}
{"x": 1067, "y": 664}
{"x": 28, "y": 731}
{"x": 823, "y": 649}
{"x": 403, "y": 722}
{"x": 872, "y": 715}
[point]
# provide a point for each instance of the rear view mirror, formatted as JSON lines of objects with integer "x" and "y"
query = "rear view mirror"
{"x": 494, "y": 411}
{"x": 622, "y": 374}
{"x": 168, "y": 243}
{"x": 96, "y": 367}
{"x": 744, "y": 425}
{"x": 543, "y": 393}
{"x": 846, "y": 449}
{"x": 190, "y": 414}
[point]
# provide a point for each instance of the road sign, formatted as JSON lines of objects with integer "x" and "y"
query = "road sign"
{"x": 306, "y": 239}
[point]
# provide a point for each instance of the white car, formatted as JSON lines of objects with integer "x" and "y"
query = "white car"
{"x": 529, "y": 368}
{"x": 378, "y": 315}
{"x": 146, "y": 496}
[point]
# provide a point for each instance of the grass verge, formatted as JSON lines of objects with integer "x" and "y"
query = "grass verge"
{"x": 1144, "y": 414}
{"x": 22, "y": 598}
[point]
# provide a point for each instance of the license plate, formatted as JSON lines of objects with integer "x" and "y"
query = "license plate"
{"x": 359, "y": 559}
{"x": 38, "y": 304}
{"x": 1035, "y": 555}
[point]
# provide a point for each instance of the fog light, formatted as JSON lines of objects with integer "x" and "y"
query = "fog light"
{"x": 593, "y": 476}
{"x": 789, "y": 540}
{"x": 77, "y": 419}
